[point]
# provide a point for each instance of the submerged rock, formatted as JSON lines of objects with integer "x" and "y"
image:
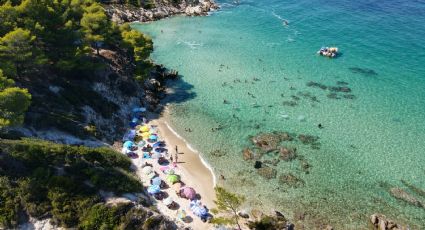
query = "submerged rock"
{"x": 349, "y": 96}
{"x": 342, "y": 89}
{"x": 341, "y": 83}
{"x": 308, "y": 139}
{"x": 333, "y": 96}
{"x": 291, "y": 180}
{"x": 289, "y": 103}
{"x": 417, "y": 190}
{"x": 248, "y": 154}
{"x": 267, "y": 172}
{"x": 316, "y": 85}
{"x": 218, "y": 153}
{"x": 273, "y": 162}
{"x": 258, "y": 164}
{"x": 364, "y": 71}
{"x": 287, "y": 154}
{"x": 403, "y": 195}
{"x": 305, "y": 166}
{"x": 267, "y": 141}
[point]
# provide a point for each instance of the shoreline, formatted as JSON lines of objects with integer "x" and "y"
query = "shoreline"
{"x": 203, "y": 161}
{"x": 197, "y": 172}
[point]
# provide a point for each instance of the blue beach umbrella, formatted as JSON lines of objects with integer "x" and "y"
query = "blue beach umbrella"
{"x": 132, "y": 124}
{"x": 139, "y": 110}
{"x": 154, "y": 189}
{"x": 199, "y": 210}
{"x": 156, "y": 181}
{"x": 153, "y": 137}
{"x": 132, "y": 134}
{"x": 159, "y": 144}
{"x": 128, "y": 144}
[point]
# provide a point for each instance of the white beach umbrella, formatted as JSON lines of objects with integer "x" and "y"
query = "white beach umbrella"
{"x": 147, "y": 169}
{"x": 168, "y": 201}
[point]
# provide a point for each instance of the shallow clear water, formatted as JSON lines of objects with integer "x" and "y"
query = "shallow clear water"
{"x": 368, "y": 144}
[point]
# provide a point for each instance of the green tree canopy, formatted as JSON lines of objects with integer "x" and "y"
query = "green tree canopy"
{"x": 228, "y": 204}
{"x": 94, "y": 25}
{"x": 14, "y": 102}
{"x": 18, "y": 53}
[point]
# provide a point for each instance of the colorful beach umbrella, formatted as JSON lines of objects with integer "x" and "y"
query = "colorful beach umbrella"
{"x": 156, "y": 181}
{"x": 128, "y": 144}
{"x": 169, "y": 200}
{"x": 141, "y": 143}
{"x": 154, "y": 189}
{"x": 147, "y": 169}
{"x": 181, "y": 214}
{"x": 153, "y": 138}
{"x": 145, "y": 135}
{"x": 189, "y": 193}
{"x": 144, "y": 129}
{"x": 173, "y": 178}
{"x": 199, "y": 210}
{"x": 156, "y": 155}
{"x": 159, "y": 144}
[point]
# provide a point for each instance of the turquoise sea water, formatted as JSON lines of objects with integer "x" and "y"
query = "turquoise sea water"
{"x": 368, "y": 144}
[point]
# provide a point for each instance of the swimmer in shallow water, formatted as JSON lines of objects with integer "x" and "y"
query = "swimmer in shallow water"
{"x": 320, "y": 126}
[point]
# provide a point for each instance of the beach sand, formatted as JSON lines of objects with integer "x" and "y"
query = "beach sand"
{"x": 193, "y": 169}
{"x": 194, "y": 173}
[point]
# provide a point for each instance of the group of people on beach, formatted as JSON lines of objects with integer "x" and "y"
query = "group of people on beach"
{"x": 143, "y": 138}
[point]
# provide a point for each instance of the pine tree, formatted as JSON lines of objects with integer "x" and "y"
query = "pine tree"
{"x": 14, "y": 102}
{"x": 227, "y": 203}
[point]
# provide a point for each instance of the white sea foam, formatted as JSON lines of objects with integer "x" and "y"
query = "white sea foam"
{"x": 204, "y": 162}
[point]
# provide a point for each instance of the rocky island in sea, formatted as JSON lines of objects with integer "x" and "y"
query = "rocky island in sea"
{"x": 242, "y": 126}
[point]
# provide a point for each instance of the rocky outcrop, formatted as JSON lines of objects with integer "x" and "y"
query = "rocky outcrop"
{"x": 381, "y": 222}
{"x": 124, "y": 13}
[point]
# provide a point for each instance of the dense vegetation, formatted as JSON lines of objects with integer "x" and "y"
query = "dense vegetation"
{"x": 43, "y": 179}
{"x": 48, "y": 40}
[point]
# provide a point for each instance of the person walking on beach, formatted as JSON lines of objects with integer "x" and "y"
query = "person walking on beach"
{"x": 177, "y": 150}
{"x": 176, "y": 158}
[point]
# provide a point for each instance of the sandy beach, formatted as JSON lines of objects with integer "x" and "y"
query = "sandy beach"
{"x": 193, "y": 172}
{"x": 192, "y": 166}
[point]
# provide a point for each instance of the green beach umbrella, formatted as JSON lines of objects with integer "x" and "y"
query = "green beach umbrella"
{"x": 173, "y": 178}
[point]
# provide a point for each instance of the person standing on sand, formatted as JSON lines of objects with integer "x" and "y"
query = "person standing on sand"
{"x": 177, "y": 150}
{"x": 176, "y": 158}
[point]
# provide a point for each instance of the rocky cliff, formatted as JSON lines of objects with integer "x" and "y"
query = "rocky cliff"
{"x": 162, "y": 9}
